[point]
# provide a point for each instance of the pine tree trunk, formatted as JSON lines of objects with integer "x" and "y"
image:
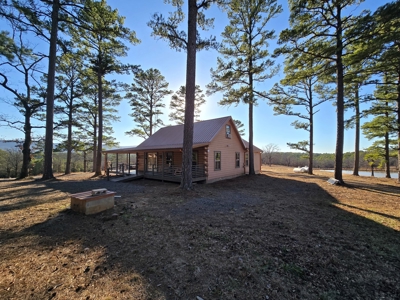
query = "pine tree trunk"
{"x": 94, "y": 154}
{"x": 251, "y": 151}
{"x": 311, "y": 149}
{"x": 151, "y": 118}
{"x": 398, "y": 129}
{"x": 26, "y": 146}
{"x": 357, "y": 137}
{"x": 340, "y": 126}
{"x": 340, "y": 100}
{"x": 100, "y": 131}
{"x": 69, "y": 134}
{"x": 186, "y": 180}
{"x": 48, "y": 147}
{"x": 251, "y": 101}
{"x": 84, "y": 162}
{"x": 387, "y": 160}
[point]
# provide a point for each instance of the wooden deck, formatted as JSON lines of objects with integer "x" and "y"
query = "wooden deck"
{"x": 170, "y": 174}
{"x": 174, "y": 174}
{"x": 171, "y": 178}
{"x": 151, "y": 175}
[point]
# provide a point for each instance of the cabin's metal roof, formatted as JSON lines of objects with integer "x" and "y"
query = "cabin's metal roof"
{"x": 255, "y": 149}
{"x": 171, "y": 137}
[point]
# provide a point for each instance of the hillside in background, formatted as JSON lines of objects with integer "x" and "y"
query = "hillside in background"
{"x": 8, "y": 145}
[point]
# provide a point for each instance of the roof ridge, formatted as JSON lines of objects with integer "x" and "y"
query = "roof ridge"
{"x": 213, "y": 119}
{"x": 196, "y": 122}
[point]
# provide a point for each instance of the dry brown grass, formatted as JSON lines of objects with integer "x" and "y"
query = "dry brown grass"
{"x": 278, "y": 235}
{"x": 374, "y": 198}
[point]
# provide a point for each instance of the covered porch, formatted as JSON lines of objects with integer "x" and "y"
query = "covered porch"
{"x": 120, "y": 163}
{"x": 159, "y": 164}
{"x": 166, "y": 164}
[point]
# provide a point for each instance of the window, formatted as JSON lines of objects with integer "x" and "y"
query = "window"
{"x": 195, "y": 158}
{"x": 228, "y": 131}
{"x": 217, "y": 160}
{"x": 237, "y": 159}
{"x": 168, "y": 158}
{"x": 247, "y": 159}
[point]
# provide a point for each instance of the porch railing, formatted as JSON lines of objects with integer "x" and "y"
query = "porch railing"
{"x": 198, "y": 171}
{"x": 176, "y": 171}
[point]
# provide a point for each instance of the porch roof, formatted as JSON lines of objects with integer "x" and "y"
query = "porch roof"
{"x": 125, "y": 150}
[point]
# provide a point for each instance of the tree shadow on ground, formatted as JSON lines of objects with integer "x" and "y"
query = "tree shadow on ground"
{"x": 379, "y": 188}
{"x": 373, "y": 212}
{"x": 246, "y": 238}
{"x": 40, "y": 192}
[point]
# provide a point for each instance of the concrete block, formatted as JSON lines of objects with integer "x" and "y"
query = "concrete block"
{"x": 91, "y": 204}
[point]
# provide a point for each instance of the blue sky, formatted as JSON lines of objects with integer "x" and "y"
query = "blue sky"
{"x": 155, "y": 53}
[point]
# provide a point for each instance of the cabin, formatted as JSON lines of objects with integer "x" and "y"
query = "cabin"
{"x": 219, "y": 153}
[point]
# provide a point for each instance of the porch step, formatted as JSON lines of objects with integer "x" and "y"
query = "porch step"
{"x": 126, "y": 178}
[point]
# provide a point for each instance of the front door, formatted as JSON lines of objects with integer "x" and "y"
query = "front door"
{"x": 151, "y": 162}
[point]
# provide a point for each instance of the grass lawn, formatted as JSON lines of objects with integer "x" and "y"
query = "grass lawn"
{"x": 277, "y": 235}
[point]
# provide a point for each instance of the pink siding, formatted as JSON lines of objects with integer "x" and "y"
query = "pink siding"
{"x": 257, "y": 163}
{"x": 228, "y": 148}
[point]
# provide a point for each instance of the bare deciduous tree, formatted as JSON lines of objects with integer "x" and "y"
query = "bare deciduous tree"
{"x": 269, "y": 151}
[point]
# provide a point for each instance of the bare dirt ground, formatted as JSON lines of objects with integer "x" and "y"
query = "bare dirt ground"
{"x": 277, "y": 235}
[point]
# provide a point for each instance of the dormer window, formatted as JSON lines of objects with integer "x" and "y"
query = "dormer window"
{"x": 228, "y": 131}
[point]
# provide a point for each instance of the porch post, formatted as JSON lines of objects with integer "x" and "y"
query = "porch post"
{"x": 162, "y": 167}
{"x": 126, "y": 161}
{"x": 116, "y": 166}
{"x": 105, "y": 162}
{"x": 145, "y": 163}
{"x": 101, "y": 163}
{"x": 129, "y": 163}
{"x": 137, "y": 163}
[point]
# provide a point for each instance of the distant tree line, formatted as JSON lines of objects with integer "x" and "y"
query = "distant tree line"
{"x": 12, "y": 159}
{"x": 325, "y": 160}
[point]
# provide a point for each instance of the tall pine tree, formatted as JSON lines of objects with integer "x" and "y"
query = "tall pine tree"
{"x": 383, "y": 128}
{"x": 102, "y": 39}
{"x": 191, "y": 42}
{"x": 299, "y": 95}
{"x": 145, "y": 96}
{"x": 69, "y": 95}
{"x": 321, "y": 29}
{"x": 383, "y": 27}
{"x": 29, "y": 97}
{"x": 177, "y": 105}
{"x": 244, "y": 59}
